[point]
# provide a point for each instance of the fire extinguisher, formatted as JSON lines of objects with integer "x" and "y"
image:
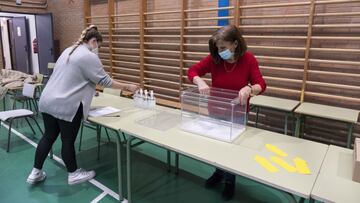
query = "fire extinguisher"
{"x": 35, "y": 46}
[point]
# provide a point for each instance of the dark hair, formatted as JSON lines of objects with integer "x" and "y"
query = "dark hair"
{"x": 86, "y": 35}
{"x": 229, "y": 33}
{"x": 92, "y": 32}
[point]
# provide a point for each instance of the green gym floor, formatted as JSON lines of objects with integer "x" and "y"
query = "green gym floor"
{"x": 151, "y": 181}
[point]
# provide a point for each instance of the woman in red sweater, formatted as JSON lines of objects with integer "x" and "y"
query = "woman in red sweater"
{"x": 231, "y": 67}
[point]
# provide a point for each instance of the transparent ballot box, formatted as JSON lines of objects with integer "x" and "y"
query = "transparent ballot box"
{"x": 217, "y": 115}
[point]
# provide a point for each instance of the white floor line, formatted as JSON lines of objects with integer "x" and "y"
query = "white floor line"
{"x": 96, "y": 183}
{"x": 98, "y": 198}
{"x": 104, "y": 188}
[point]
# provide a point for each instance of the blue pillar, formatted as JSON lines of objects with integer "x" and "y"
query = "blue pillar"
{"x": 223, "y": 13}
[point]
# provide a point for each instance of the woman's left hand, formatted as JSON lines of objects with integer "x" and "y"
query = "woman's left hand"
{"x": 244, "y": 94}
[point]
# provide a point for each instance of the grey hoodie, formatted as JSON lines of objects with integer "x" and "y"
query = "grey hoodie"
{"x": 73, "y": 82}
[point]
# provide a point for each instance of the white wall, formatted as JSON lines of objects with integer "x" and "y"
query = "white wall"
{"x": 32, "y": 34}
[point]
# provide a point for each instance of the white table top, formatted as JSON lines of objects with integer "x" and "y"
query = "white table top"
{"x": 237, "y": 157}
{"x": 329, "y": 112}
{"x": 274, "y": 103}
{"x": 334, "y": 183}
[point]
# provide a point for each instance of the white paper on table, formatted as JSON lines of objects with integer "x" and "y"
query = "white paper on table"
{"x": 102, "y": 111}
{"x": 214, "y": 130}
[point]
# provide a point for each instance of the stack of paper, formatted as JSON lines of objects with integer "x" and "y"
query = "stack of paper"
{"x": 102, "y": 111}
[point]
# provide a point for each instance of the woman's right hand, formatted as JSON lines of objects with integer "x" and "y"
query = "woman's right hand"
{"x": 203, "y": 87}
{"x": 132, "y": 88}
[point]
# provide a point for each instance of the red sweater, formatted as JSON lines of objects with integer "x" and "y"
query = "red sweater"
{"x": 245, "y": 71}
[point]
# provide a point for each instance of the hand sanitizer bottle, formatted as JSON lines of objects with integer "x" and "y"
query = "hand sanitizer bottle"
{"x": 152, "y": 101}
{"x": 138, "y": 98}
{"x": 141, "y": 93}
{"x": 145, "y": 103}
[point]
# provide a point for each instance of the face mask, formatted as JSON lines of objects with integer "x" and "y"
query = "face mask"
{"x": 94, "y": 48}
{"x": 95, "y": 51}
{"x": 227, "y": 54}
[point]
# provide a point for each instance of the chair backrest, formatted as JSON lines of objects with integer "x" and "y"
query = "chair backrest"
{"x": 39, "y": 78}
{"x": 29, "y": 90}
{"x": 51, "y": 65}
{"x": 116, "y": 92}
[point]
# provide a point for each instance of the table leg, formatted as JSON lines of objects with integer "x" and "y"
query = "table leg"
{"x": 98, "y": 134}
{"x": 176, "y": 163}
{"x": 257, "y": 116}
{"x": 286, "y": 123}
{"x": 297, "y": 126}
{"x": 128, "y": 166}
{"x": 349, "y": 136}
{"x": 302, "y": 129}
{"x": 293, "y": 122}
{"x": 119, "y": 148}
{"x": 4, "y": 100}
{"x": 168, "y": 160}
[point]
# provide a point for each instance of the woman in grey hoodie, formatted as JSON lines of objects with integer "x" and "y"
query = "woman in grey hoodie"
{"x": 66, "y": 100}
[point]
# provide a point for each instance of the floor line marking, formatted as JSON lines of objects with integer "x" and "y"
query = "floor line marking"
{"x": 98, "y": 198}
{"x": 59, "y": 160}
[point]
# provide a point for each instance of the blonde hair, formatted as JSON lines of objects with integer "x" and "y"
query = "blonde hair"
{"x": 87, "y": 34}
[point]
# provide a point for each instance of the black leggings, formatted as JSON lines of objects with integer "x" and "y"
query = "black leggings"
{"x": 68, "y": 130}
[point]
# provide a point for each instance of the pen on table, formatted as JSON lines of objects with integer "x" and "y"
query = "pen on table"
{"x": 111, "y": 116}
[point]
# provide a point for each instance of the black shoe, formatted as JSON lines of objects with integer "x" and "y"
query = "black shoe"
{"x": 228, "y": 191}
{"x": 213, "y": 180}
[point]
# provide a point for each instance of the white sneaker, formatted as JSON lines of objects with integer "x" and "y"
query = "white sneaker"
{"x": 36, "y": 176}
{"x": 80, "y": 176}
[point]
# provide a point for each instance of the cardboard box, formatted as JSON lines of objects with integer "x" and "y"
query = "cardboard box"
{"x": 356, "y": 161}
